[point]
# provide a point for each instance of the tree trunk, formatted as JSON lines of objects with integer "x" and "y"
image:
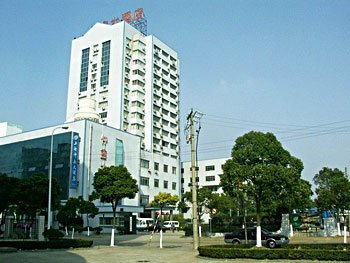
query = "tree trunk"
{"x": 258, "y": 226}
{"x": 161, "y": 228}
{"x": 114, "y": 208}
{"x": 88, "y": 225}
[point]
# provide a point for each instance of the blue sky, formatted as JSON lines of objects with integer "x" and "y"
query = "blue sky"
{"x": 278, "y": 66}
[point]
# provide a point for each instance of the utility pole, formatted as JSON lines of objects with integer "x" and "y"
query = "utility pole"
{"x": 191, "y": 118}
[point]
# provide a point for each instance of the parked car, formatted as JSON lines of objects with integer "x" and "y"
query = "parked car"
{"x": 143, "y": 224}
{"x": 171, "y": 225}
{"x": 268, "y": 239}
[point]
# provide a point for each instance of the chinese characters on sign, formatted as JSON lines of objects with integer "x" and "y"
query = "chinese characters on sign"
{"x": 75, "y": 161}
{"x": 137, "y": 20}
{"x": 104, "y": 140}
{"x": 127, "y": 17}
{"x": 138, "y": 14}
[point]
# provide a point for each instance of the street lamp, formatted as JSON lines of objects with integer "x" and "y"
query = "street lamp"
{"x": 50, "y": 177}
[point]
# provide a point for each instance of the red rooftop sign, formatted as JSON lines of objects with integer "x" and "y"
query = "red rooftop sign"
{"x": 127, "y": 17}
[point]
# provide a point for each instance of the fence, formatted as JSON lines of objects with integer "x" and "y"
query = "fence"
{"x": 21, "y": 229}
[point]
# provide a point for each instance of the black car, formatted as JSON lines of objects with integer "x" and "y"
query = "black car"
{"x": 268, "y": 239}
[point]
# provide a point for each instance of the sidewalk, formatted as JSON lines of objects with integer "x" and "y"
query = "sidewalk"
{"x": 128, "y": 248}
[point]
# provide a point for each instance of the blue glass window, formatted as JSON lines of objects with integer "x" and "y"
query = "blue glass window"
{"x": 84, "y": 69}
{"x": 26, "y": 158}
{"x": 119, "y": 152}
{"x": 104, "y": 80}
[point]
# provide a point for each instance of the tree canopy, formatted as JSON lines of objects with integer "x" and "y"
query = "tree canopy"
{"x": 33, "y": 194}
{"x": 162, "y": 200}
{"x": 8, "y": 196}
{"x": 71, "y": 213}
{"x": 112, "y": 184}
{"x": 262, "y": 169}
{"x": 332, "y": 189}
{"x": 223, "y": 204}
{"x": 68, "y": 213}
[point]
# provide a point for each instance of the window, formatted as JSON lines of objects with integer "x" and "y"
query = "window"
{"x": 144, "y": 199}
{"x": 212, "y": 188}
{"x": 84, "y": 69}
{"x": 108, "y": 221}
{"x": 165, "y": 168}
{"x": 173, "y": 170}
{"x": 156, "y": 166}
{"x": 138, "y": 82}
{"x": 165, "y": 185}
{"x": 105, "y": 63}
{"x": 210, "y": 168}
{"x": 156, "y": 183}
{"x": 103, "y": 114}
{"x": 173, "y": 186}
{"x": 144, "y": 163}
{"x": 144, "y": 181}
{"x": 210, "y": 178}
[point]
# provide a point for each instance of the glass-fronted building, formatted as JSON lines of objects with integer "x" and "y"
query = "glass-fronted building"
{"x": 79, "y": 149}
{"x": 24, "y": 158}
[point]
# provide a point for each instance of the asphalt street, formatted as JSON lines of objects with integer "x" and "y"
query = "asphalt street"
{"x": 128, "y": 248}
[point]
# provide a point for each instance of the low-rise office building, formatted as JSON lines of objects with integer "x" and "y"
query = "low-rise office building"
{"x": 79, "y": 149}
{"x": 208, "y": 174}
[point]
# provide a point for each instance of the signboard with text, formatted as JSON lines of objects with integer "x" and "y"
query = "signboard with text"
{"x": 75, "y": 161}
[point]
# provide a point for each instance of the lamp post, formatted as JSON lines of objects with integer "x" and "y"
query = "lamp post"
{"x": 50, "y": 177}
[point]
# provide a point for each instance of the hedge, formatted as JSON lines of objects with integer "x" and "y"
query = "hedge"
{"x": 52, "y": 244}
{"x": 336, "y": 252}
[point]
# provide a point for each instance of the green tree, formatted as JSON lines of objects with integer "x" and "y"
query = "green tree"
{"x": 68, "y": 214}
{"x": 332, "y": 190}
{"x": 8, "y": 194}
{"x": 34, "y": 193}
{"x": 296, "y": 196}
{"x": 223, "y": 204}
{"x": 111, "y": 185}
{"x": 162, "y": 200}
{"x": 87, "y": 208}
{"x": 262, "y": 169}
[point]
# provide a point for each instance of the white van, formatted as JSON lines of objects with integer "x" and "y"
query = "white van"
{"x": 143, "y": 224}
{"x": 170, "y": 225}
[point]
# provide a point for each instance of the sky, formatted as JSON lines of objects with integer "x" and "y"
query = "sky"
{"x": 263, "y": 65}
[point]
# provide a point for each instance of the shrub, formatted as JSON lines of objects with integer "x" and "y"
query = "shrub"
{"x": 335, "y": 252}
{"x": 78, "y": 228}
{"x": 53, "y": 244}
{"x": 98, "y": 230}
{"x": 53, "y": 234}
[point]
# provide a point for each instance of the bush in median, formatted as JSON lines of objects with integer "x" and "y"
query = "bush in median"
{"x": 335, "y": 252}
{"x": 53, "y": 244}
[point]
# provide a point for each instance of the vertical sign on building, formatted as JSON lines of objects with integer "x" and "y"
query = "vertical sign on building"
{"x": 75, "y": 161}
{"x": 104, "y": 140}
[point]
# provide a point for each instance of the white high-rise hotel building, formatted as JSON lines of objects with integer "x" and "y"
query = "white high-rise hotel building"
{"x": 134, "y": 80}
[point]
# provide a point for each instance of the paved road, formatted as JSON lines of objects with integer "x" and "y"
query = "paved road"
{"x": 128, "y": 248}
